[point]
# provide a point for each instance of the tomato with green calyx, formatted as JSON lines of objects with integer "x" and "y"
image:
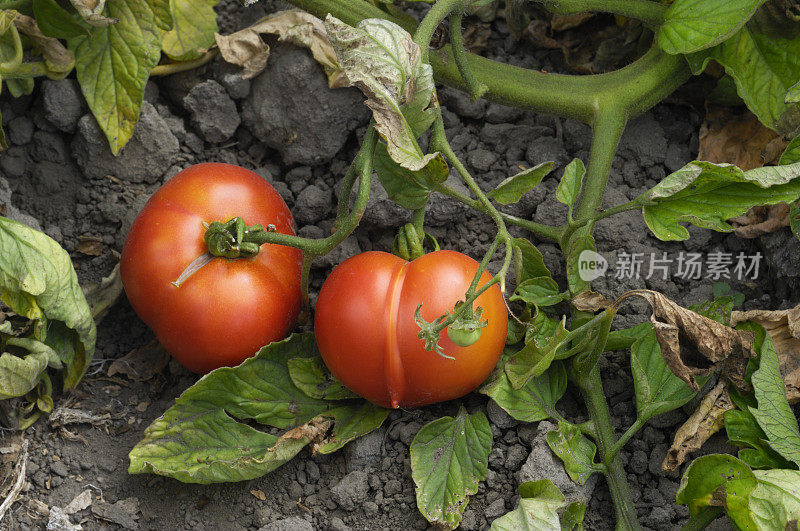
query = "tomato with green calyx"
{"x": 195, "y": 271}
{"x": 463, "y": 338}
{"x": 368, "y": 336}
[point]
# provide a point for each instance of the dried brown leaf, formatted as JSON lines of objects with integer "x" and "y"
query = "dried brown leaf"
{"x": 707, "y": 419}
{"x": 90, "y": 245}
{"x": 259, "y": 494}
{"x": 692, "y": 344}
{"x": 476, "y": 37}
{"x": 741, "y": 140}
{"x": 246, "y": 48}
{"x": 565, "y": 22}
{"x": 65, "y": 416}
{"x": 761, "y": 220}
{"x": 79, "y": 502}
{"x": 57, "y": 57}
{"x": 141, "y": 364}
{"x": 590, "y": 301}
{"x": 783, "y": 326}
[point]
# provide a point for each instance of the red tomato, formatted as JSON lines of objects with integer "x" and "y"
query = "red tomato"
{"x": 228, "y": 309}
{"x": 366, "y": 332}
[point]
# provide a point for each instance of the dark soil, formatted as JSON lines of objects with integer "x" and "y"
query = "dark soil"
{"x": 58, "y": 175}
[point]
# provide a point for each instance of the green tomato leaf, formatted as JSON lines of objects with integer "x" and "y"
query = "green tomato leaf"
{"x": 537, "y": 510}
{"x": 382, "y": 59}
{"x": 195, "y": 24}
{"x": 449, "y": 457}
{"x": 512, "y": 189}
{"x": 541, "y": 291}
{"x": 775, "y": 502}
{"x": 793, "y": 94}
{"x": 706, "y": 195}
{"x": 791, "y": 154}
{"x": 774, "y": 415}
{"x": 200, "y": 438}
{"x": 55, "y": 21}
{"x": 528, "y": 261}
{"x": 113, "y": 64}
{"x": 351, "y": 422}
{"x": 570, "y": 185}
{"x": 717, "y": 480}
{"x": 409, "y": 189}
{"x": 764, "y": 60}
{"x": 693, "y": 25}
{"x": 574, "y": 449}
{"x": 37, "y": 281}
{"x": 572, "y": 517}
{"x": 743, "y": 430}
{"x": 535, "y": 358}
{"x": 162, "y": 11}
{"x": 581, "y": 240}
{"x": 312, "y": 377}
{"x": 658, "y": 390}
{"x": 19, "y": 375}
{"x": 536, "y": 400}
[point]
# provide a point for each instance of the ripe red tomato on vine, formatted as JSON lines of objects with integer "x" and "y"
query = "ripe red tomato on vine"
{"x": 230, "y": 307}
{"x": 368, "y": 336}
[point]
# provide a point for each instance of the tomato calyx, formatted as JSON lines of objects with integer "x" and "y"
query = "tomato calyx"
{"x": 234, "y": 239}
{"x": 430, "y": 332}
{"x": 231, "y": 239}
{"x": 466, "y": 328}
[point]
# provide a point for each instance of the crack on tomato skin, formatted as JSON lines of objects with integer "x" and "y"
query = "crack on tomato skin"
{"x": 395, "y": 375}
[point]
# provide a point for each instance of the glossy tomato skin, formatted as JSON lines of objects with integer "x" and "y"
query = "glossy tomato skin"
{"x": 367, "y": 335}
{"x": 228, "y": 309}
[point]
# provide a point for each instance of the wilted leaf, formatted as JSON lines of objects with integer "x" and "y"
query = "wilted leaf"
{"x": 761, "y": 220}
{"x": 590, "y": 301}
{"x": 57, "y": 58}
{"x": 449, "y": 457}
{"x": 707, "y": 419}
{"x": 141, "y": 364}
{"x": 246, "y": 48}
{"x": 409, "y": 189}
{"x": 90, "y": 245}
{"x": 565, "y": 22}
{"x": 380, "y": 58}
{"x": 740, "y": 140}
{"x": 101, "y": 296}
{"x": 783, "y": 326}
{"x": 692, "y": 344}
{"x": 37, "y": 281}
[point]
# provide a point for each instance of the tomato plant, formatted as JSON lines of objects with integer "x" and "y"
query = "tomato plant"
{"x": 376, "y": 342}
{"x": 230, "y": 306}
{"x": 368, "y": 336}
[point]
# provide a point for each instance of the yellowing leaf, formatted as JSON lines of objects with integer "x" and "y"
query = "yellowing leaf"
{"x": 193, "y": 29}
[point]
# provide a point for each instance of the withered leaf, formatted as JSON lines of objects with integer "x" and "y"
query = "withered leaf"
{"x": 141, "y": 364}
{"x": 692, "y": 344}
{"x": 707, "y": 419}
{"x": 102, "y": 295}
{"x": 90, "y": 245}
{"x": 761, "y": 220}
{"x": 740, "y": 140}
{"x": 590, "y": 301}
{"x": 58, "y": 59}
{"x": 565, "y": 22}
{"x": 247, "y": 49}
{"x": 783, "y": 326}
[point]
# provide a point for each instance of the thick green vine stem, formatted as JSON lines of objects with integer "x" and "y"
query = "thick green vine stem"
{"x": 648, "y": 11}
{"x": 475, "y": 88}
